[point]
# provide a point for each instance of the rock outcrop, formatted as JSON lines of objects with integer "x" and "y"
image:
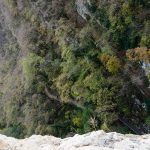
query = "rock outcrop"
{"x": 98, "y": 140}
{"x": 83, "y": 8}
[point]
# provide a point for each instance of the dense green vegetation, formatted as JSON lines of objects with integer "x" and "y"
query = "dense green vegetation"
{"x": 63, "y": 71}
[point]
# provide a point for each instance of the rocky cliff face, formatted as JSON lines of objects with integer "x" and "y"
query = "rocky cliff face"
{"x": 98, "y": 140}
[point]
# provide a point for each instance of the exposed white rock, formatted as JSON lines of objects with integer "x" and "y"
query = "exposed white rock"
{"x": 83, "y": 8}
{"x": 98, "y": 140}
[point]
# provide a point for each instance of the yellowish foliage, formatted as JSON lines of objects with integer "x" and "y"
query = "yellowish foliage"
{"x": 76, "y": 121}
{"x": 139, "y": 54}
{"x": 104, "y": 58}
{"x": 112, "y": 63}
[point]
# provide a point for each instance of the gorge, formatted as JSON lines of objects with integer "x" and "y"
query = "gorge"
{"x": 71, "y": 67}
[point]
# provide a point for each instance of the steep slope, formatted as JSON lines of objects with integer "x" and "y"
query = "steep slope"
{"x": 71, "y": 67}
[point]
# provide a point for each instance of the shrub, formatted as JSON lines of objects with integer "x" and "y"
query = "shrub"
{"x": 112, "y": 63}
{"x": 31, "y": 65}
{"x": 12, "y": 5}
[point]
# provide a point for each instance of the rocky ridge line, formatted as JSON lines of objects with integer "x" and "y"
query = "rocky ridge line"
{"x": 96, "y": 140}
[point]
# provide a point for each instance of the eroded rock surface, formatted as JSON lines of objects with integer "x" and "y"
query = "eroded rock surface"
{"x": 98, "y": 140}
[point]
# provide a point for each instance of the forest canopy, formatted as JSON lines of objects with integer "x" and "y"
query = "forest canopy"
{"x": 73, "y": 66}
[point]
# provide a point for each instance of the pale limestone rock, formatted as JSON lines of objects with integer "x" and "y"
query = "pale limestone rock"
{"x": 83, "y": 8}
{"x": 97, "y": 140}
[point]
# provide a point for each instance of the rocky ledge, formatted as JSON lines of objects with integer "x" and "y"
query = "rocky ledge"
{"x": 98, "y": 140}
